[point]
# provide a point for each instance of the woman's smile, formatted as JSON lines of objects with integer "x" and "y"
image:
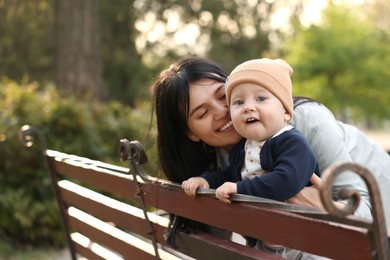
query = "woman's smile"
{"x": 226, "y": 126}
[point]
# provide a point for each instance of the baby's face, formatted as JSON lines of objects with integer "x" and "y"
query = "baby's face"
{"x": 256, "y": 113}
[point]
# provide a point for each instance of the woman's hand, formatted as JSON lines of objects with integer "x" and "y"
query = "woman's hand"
{"x": 192, "y": 184}
{"x": 225, "y": 190}
{"x": 309, "y": 196}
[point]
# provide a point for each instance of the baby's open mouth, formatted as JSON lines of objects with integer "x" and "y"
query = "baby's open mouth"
{"x": 251, "y": 120}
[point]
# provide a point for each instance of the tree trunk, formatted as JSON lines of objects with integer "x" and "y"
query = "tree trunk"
{"x": 79, "y": 65}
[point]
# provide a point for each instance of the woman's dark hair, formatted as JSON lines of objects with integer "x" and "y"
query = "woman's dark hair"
{"x": 299, "y": 100}
{"x": 181, "y": 158}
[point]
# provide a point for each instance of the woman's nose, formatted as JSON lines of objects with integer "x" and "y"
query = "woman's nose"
{"x": 221, "y": 111}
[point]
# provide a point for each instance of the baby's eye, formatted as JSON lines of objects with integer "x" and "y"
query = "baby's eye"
{"x": 238, "y": 102}
{"x": 261, "y": 98}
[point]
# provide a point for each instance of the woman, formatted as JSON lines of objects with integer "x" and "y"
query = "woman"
{"x": 333, "y": 141}
{"x": 182, "y": 155}
{"x": 195, "y": 133}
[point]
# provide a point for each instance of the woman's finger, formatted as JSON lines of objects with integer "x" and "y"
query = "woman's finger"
{"x": 315, "y": 181}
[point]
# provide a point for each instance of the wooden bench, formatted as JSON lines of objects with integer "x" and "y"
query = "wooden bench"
{"x": 112, "y": 212}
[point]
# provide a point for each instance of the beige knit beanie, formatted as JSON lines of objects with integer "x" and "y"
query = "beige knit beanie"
{"x": 274, "y": 75}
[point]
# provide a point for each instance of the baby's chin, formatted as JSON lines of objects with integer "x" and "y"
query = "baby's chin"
{"x": 253, "y": 136}
{"x": 258, "y": 139}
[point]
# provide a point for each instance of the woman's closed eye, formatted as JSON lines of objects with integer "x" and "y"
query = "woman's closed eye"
{"x": 203, "y": 114}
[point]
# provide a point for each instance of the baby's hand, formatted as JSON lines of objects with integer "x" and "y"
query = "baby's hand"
{"x": 224, "y": 191}
{"x": 192, "y": 184}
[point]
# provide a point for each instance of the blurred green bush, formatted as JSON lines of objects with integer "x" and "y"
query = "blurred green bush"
{"x": 28, "y": 211}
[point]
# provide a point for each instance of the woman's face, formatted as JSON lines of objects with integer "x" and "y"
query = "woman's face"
{"x": 209, "y": 119}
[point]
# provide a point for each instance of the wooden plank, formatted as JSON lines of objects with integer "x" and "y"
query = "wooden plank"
{"x": 106, "y": 180}
{"x": 123, "y": 215}
{"x": 97, "y": 235}
{"x": 86, "y": 253}
{"x": 125, "y": 244}
{"x": 204, "y": 246}
{"x": 59, "y": 156}
{"x": 286, "y": 228}
{"x": 91, "y": 250}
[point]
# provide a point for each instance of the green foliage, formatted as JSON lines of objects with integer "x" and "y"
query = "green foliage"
{"x": 343, "y": 63}
{"x": 27, "y": 39}
{"x": 228, "y": 31}
{"x": 28, "y": 46}
{"x": 124, "y": 73}
{"x": 90, "y": 129}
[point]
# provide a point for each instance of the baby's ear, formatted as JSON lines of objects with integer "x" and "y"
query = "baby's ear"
{"x": 287, "y": 117}
{"x": 193, "y": 137}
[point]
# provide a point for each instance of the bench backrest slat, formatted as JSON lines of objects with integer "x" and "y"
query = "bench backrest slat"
{"x": 87, "y": 252}
{"x": 202, "y": 245}
{"x": 105, "y": 180}
{"x": 123, "y": 215}
{"x": 103, "y": 233}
